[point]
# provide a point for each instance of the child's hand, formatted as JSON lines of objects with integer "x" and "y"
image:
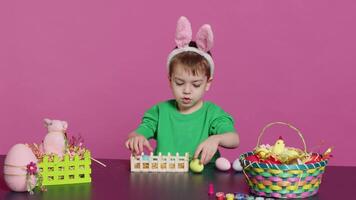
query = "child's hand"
{"x": 207, "y": 149}
{"x": 136, "y": 142}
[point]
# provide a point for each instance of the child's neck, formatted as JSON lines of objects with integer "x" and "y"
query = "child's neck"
{"x": 192, "y": 109}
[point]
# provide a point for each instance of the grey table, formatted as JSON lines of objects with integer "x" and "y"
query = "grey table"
{"x": 117, "y": 182}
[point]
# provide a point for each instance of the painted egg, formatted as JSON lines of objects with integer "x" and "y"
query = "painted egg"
{"x": 222, "y": 164}
{"x": 18, "y": 157}
{"x": 195, "y": 166}
{"x": 236, "y": 165}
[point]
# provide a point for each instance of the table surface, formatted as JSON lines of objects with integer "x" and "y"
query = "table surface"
{"x": 117, "y": 182}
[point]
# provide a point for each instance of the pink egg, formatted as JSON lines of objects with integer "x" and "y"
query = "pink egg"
{"x": 18, "y": 157}
{"x": 222, "y": 164}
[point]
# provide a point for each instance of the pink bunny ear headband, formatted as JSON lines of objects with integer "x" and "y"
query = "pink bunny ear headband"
{"x": 204, "y": 40}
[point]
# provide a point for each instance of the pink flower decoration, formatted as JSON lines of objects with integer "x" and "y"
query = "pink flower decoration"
{"x": 31, "y": 168}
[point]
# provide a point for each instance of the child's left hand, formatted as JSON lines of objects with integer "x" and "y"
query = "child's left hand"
{"x": 207, "y": 149}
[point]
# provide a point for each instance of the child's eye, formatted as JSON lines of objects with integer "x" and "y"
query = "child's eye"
{"x": 196, "y": 85}
{"x": 179, "y": 83}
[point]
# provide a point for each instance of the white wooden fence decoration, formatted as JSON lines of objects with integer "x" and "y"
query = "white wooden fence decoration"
{"x": 159, "y": 163}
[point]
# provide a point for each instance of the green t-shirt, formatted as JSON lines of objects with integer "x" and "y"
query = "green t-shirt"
{"x": 182, "y": 133}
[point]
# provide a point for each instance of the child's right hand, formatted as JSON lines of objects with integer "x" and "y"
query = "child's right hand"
{"x": 136, "y": 142}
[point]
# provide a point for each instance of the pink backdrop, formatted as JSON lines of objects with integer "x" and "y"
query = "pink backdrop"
{"x": 100, "y": 64}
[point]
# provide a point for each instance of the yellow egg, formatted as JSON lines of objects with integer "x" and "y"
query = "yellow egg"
{"x": 195, "y": 166}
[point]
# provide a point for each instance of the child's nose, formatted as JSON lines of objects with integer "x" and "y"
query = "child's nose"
{"x": 187, "y": 89}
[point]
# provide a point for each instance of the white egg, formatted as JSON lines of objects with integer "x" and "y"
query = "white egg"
{"x": 18, "y": 157}
{"x": 222, "y": 164}
{"x": 236, "y": 165}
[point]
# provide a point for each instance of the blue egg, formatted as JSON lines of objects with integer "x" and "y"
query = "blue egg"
{"x": 240, "y": 196}
{"x": 145, "y": 158}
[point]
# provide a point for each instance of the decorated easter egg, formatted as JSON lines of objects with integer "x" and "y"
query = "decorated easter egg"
{"x": 195, "y": 166}
{"x": 222, "y": 164}
{"x": 236, "y": 165}
{"x": 15, "y": 167}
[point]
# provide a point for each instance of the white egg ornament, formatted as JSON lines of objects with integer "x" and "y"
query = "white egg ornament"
{"x": 236, "y": 165}
{"x": 222, "y": 164}
{"x": 15, "y": 168}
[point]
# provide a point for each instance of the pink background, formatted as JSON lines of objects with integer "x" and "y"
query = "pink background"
{"x": 100, "y": 64}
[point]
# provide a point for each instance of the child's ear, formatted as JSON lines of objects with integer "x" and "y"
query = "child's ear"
{"x": 208, "y": 84}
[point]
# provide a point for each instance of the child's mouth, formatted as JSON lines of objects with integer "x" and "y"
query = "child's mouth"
{"x": 186, "y": 100}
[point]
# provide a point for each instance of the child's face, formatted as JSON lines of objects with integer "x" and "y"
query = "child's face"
{"x": 188, "y": 89}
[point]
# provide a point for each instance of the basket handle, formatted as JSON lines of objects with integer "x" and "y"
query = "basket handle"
{"x": 282, "y": 123}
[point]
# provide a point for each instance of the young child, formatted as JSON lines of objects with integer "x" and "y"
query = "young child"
{"x": 187, "y": 123}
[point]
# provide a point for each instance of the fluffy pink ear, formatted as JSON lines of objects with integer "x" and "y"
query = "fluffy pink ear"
{"x": 65, "y": 125}
{"x": 47, "y": 122}
{"x": 183, "y": 32}
{"x": 205, "y": 38}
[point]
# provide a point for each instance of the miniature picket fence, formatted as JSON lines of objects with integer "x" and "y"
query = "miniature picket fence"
{"x": 66, "y": 170}
{"x": 160, "y": 163}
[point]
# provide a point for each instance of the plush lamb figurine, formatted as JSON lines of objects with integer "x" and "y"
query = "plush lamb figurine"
{"x": 55, "y": 140}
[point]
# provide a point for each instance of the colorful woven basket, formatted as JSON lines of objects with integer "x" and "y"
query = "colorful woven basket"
{"x": 280, "y": 180}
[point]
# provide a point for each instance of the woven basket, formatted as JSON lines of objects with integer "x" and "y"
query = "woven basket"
{"x": 281, "y": 180}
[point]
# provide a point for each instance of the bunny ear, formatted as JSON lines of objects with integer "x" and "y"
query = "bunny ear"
{"x": 183, "y": 32}
{"x": 205, "y": 38}
{"x": 65, "y": 125}
{"x": 47, "y": 121}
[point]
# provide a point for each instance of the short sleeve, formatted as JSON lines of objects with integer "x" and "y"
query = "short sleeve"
{"x": 221, "y": 123}
{"x": 149, "y": 122}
